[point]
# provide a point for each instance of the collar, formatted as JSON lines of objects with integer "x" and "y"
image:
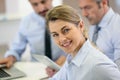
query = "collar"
{"x": 81, "y": 55}
{"x": 37, "y": 17}
{"x": 106, "y": 19}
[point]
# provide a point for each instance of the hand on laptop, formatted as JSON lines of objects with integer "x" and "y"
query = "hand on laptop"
{"x": 9, "y": 61}
{"x": 50, "y": 72}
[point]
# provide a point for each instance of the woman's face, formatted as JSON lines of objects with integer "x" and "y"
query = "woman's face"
{"x": 68, "y": 36}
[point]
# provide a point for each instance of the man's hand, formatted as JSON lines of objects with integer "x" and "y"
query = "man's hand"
{"x": 50, "y": 71}
{"x": 9, "y": 61}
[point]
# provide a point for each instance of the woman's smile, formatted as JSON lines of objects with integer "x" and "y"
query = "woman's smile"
{"x": 66, "y": 44}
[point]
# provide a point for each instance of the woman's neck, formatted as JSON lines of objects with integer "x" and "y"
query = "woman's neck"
{"x": 78, "y": 48}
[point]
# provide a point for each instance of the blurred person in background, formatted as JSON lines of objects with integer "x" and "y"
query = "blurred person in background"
{"x": 105, "y": 27}
{"x": 32, "y": 32}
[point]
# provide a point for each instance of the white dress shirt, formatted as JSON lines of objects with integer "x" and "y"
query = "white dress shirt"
{"x": 108, "y": 40}
{"x": 88, "y": 64}
{"x": 31, "y": 32}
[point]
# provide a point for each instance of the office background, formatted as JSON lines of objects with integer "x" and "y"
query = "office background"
{"x": 11, "y": 14}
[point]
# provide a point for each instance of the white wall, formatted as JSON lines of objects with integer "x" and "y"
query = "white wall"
{"x": 11, "y": 7}
{"x": 57, "y": 2}
{"x": 22, "y": 7}
{"x": 8, "y": 30}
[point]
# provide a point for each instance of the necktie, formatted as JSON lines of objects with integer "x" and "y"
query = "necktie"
{"x": 47, "y": 44}
{"x": 95, "y": 35}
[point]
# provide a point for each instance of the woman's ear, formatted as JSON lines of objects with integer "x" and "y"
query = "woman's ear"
{"x": 81, "y": 26}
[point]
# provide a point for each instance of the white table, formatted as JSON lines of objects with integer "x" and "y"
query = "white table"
{"x": 33, "y": 70}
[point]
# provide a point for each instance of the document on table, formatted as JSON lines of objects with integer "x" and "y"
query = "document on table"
{"x": 33, "y": 70}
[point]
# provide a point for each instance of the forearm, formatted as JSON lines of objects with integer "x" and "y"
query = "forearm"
{"x": 12, "y": 58}
{"x": 12, "y": 53}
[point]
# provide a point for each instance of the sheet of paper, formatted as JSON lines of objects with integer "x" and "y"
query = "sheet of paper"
{"x": 33, "y": 70}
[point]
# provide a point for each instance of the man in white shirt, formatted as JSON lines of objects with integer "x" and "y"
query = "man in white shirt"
{"x": 106, "y": 38}
{"x": 32, "y": 32}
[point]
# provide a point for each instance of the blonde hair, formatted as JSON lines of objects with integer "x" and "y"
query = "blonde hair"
{"x": 65, "y": 13}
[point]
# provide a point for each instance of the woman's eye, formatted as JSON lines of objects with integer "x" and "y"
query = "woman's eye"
{"x": 55, "y": 35}
{"x": 43, "y": 1}
{"x": 66, "y": 30}
{"x": 35, "y": 4}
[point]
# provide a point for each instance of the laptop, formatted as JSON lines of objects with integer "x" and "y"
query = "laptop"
{"x": 45, "y": 60}
{"x": 11, "y": 73}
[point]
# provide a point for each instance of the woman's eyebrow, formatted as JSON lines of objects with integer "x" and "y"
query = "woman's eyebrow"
{"x": 63, "y": 27}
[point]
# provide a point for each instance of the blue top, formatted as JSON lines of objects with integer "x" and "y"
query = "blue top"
{"x": 108, "y": 37}
{"x": 88, "y": 64}
{"x": 31, "y": 32}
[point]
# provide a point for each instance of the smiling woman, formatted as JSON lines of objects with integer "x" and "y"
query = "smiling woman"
{"x": 63, "y": 26}
{"x": 83, "y": 60}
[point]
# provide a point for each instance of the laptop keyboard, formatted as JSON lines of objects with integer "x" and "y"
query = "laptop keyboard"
{"x": 3, "y": 73}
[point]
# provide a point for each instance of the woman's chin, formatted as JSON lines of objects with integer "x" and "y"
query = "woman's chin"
{"x": 67, "y": 51}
